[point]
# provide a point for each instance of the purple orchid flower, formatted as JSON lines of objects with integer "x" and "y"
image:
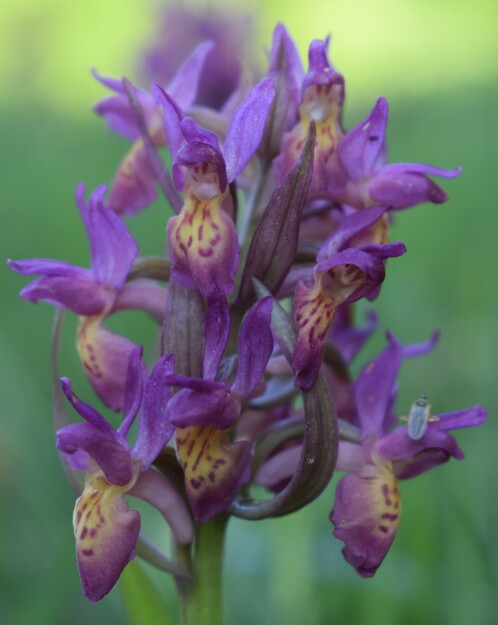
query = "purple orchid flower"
{"x": 370, "y": 182}
{"x": 96, "y": 293}
{"x": 351, "y": 265}
{"x": 134, "y": 187}
{"x": 106, "y": 529}
{"x": 367, "y": 506}
{"x": 322, "y": 97}
{"x": 202, "y": 239}
{"x": 205, "y": 410}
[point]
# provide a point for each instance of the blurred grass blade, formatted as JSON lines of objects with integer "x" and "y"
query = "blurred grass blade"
{"x": 142, "y": 600}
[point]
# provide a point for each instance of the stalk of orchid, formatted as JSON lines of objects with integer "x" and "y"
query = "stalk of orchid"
{"x": 279, "y": 223}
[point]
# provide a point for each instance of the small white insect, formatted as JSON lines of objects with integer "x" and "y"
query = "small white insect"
{"x": 419, "y": 417}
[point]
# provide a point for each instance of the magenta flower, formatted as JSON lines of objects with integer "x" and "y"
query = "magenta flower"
{"x": 202, "y": 239}
{"x": 205, "y": 410}
{"x": 135, "y": 183}
{"x": 370, "y": 182}
{"x": 367, "y": 508}
{"x": 96, "y": 293}
{"x": 321, "y": 100}
{"x": 350, "y": 265}
{"x": 106, "y": 529}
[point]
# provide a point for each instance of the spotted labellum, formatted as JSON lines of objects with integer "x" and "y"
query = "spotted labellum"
{"x": 276, "y": 221}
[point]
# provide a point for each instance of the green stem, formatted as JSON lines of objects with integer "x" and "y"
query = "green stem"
{"x": 202, "y": 602}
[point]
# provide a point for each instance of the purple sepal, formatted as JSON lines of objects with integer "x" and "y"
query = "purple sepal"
{"x": 112, "y": 247}
{"x": 254, "y": 348}
{"x": 172, "y": 116}
{"x": 406, "y": 184}
{"x": 184, "y": 85}
{"x": 246, "y": 128}
{"x": 362, "y": 150}
{"x": 362, "y": 154}
{"x": 110, "y": 451}
{"x": 348, "y": 338}
{"x": 375, "y": 387}
{"x": 412, "y": 457}
{"x": 154, "y": 429}
{"x": 117, "y": 111}
{"x": 81, "y": 295}
{"x": 462, "y": 418}
{"x": 85, "y": 292}
{"x": 350, "y": 227}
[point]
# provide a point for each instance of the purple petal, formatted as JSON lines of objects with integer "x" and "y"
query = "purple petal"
{"x": 212, "y": 407}
{"x": 254, "y": 349}
{"x": 108, "y": 449}
{"x": 462, "y": 418}
{"x": 214, "y": 468}
{"x": 172, "y": 116}
{"x": 246, "y": 128}
{"x": 104, "y": 356}
{"x": 154, "y": 488}
{"x": 200, "y": 148}
{"x": 216, "y": 333}
{"x": 420, "y": 349}
{"x": 362, "y": 149}
{"x": 366, "y": 516}
{"x": 184, "y": 85}
{"x": 47, "y": 267}
{"x": 106, "y": 534}
{"x": 83, "y": 296}
{"x": 113, "y": 249}
{"x": 134, "y": 390}
{"x": 154, "y": 429}
{"x": 118, "y": 113}
{"x": 405, "y": 184}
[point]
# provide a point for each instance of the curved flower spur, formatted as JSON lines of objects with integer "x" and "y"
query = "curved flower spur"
{"x": 280, "y": 223}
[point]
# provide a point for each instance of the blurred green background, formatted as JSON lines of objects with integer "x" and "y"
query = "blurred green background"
{"x": 437, "y": 63}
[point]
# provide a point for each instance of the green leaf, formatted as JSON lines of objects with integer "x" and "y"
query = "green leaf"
{"x": 142, "y": 600}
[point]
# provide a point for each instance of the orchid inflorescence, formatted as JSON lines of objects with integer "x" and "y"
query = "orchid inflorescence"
{"x": 281, "y": 222}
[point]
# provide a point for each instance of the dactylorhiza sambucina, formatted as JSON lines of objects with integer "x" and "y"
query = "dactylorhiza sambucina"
{"x": 280, "y": 222}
